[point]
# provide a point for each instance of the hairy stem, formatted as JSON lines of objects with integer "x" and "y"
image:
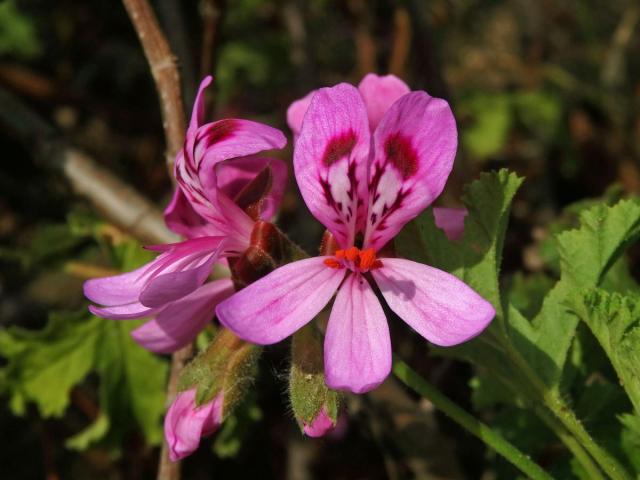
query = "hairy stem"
{"x": 492, "y": 438}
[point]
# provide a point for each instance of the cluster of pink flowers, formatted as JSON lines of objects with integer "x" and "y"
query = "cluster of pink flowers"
{"x": 367, "y": 160}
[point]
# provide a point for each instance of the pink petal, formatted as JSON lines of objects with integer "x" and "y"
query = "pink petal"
{"x": 357, "y": 345}
{"x": 197, "y": 115}
{"x": 182, "y": 219}
{"x": 331, "y": 159}
{"x": 120, "y": 289}
{"x": 415, "y": 145}
{"x": 186, "y": 423}
{"x": 234, "y": 175}
{"x": 451, "y": 221}
{"x": 437, "y": 305}
{"x": 379, "y": 93}
{"x": 170, "y": 286}
{"x": 320, "y": 425}
{"x": 277, "y": 305}
{"x": 129, "y": 311}
{"x": 296, "y": 112}
{"x": 181, "y": 321}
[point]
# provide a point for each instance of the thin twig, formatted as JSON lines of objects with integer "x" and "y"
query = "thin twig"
{"x": 164, "y": 71}
{"x": 211, "y": 11}
{"x": 165, "y": 74}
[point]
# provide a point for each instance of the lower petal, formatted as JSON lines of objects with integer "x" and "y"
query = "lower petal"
{"x": 437, "y": 305}
{"x": 277, "y": 305}
{"x": 128, "y": 311}
{"x": 357, "y": 345}
{"x": 181, "y": 321}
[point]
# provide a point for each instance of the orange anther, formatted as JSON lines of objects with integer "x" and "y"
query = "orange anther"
{"x": 352, "y": 254}
{"x": 340, "y": 254}
{"x": 332, "y": 263}
{"x": 367, "y": 258}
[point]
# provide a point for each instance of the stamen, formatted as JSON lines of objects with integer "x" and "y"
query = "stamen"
{"x": 352, "y": 254}
{"x": 367, "y": 258}
{"x": 333, "y": 263}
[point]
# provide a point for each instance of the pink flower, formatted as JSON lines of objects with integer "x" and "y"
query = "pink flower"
{"x": 320, "y": 425}
{"x": 216, "y": 181}
{"x": 367, "y": 161}
{"x": 186, "y": 423}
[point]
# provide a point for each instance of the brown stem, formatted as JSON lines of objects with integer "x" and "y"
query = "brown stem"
{"x": 165, "y": 74}
{"x": 164, "y": 71}
{"x": 212, "y": 11}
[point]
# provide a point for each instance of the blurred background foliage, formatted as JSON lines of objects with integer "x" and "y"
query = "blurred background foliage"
{"x": 549, "y": 89}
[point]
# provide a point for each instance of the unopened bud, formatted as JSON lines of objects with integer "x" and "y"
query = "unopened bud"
{"x": 211, "y": 387}
{"x": 315, "y": 406}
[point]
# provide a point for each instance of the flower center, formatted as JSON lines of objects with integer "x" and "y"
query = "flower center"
{"x": 354, "y": 259}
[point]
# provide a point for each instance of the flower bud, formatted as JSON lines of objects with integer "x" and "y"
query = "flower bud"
{"x": 187, "y": 422}
{"x": 315, "y": 406}
{"x": 211, "y": 387}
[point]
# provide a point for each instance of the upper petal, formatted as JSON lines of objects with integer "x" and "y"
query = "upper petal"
{"x": 379, "y": 93}
{"x": 181, "y": 321}
{"x": 357, "y": 345}
{"x": 331, "y": 159}
{"x": 197, "y": 114}
{"x": 120, "y": 289}
{"x": 451, "y": 221}
{"x": 209, "y": 145}
{"x": 437, "y": 305}
{"x": 415, "y": 145}
{"x": 186, "y": 423}
{"x": 297, "y": 111}
{"x": 277, "y": 305}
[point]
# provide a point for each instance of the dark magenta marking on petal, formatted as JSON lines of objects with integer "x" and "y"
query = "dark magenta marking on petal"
{"x": 338, "y": 147}
{"x": 401, "y": 154}
{"x": 220, "y": 130}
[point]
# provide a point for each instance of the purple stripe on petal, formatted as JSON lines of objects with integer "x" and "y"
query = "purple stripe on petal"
{"x": 277, "y": 305}
{"x": 437, "y": 305}
{"x": 357, "y": 345}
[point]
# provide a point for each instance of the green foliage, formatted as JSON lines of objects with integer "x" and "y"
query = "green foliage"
{"x": 17, "y": 32}
{"x": 614, "y": 320}
{"x": 44, "y": 366}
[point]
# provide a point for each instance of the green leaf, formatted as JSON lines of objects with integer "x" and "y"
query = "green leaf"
{"x": 586, "y": 255}
{"x": 614, "y": 320}
{"x": 476, "y": 258}
{"x": 43, "y": 366}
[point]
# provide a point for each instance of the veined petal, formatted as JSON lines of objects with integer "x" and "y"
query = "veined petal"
{"x": 181, "y": 321}
{"x": 235, "y": 175}
{"x": 379, "y": 93}
{"x": 186, "y": 423}
{"x": 213, "y": 143}
{"x": 451, "y": 221}
{"x": 120, "y": 289}
{"x": 182, "y": 219}
{"x": 191, "y": 264}
{"x": 331, "y": 160}
{"x": 437, "y": 305}
{"x": 277, "y": 305}
{"x": 415, "y": 145}
{"x": 296, "y": 113}
{"x": 127, "y": 311}
{"x": 357, "y": 345}
{"x": 197, "y": 114}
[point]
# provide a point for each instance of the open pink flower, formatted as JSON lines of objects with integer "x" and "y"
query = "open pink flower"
{"x": 366, "y": 163}
{"x": 215, "y": 171}
{"x": 186, "y": 423}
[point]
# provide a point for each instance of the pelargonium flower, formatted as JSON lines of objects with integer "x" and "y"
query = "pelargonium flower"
{"x": 186, "y": 423}
{"x": 216, "y": 173}
{"x": 366, "y": 163}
